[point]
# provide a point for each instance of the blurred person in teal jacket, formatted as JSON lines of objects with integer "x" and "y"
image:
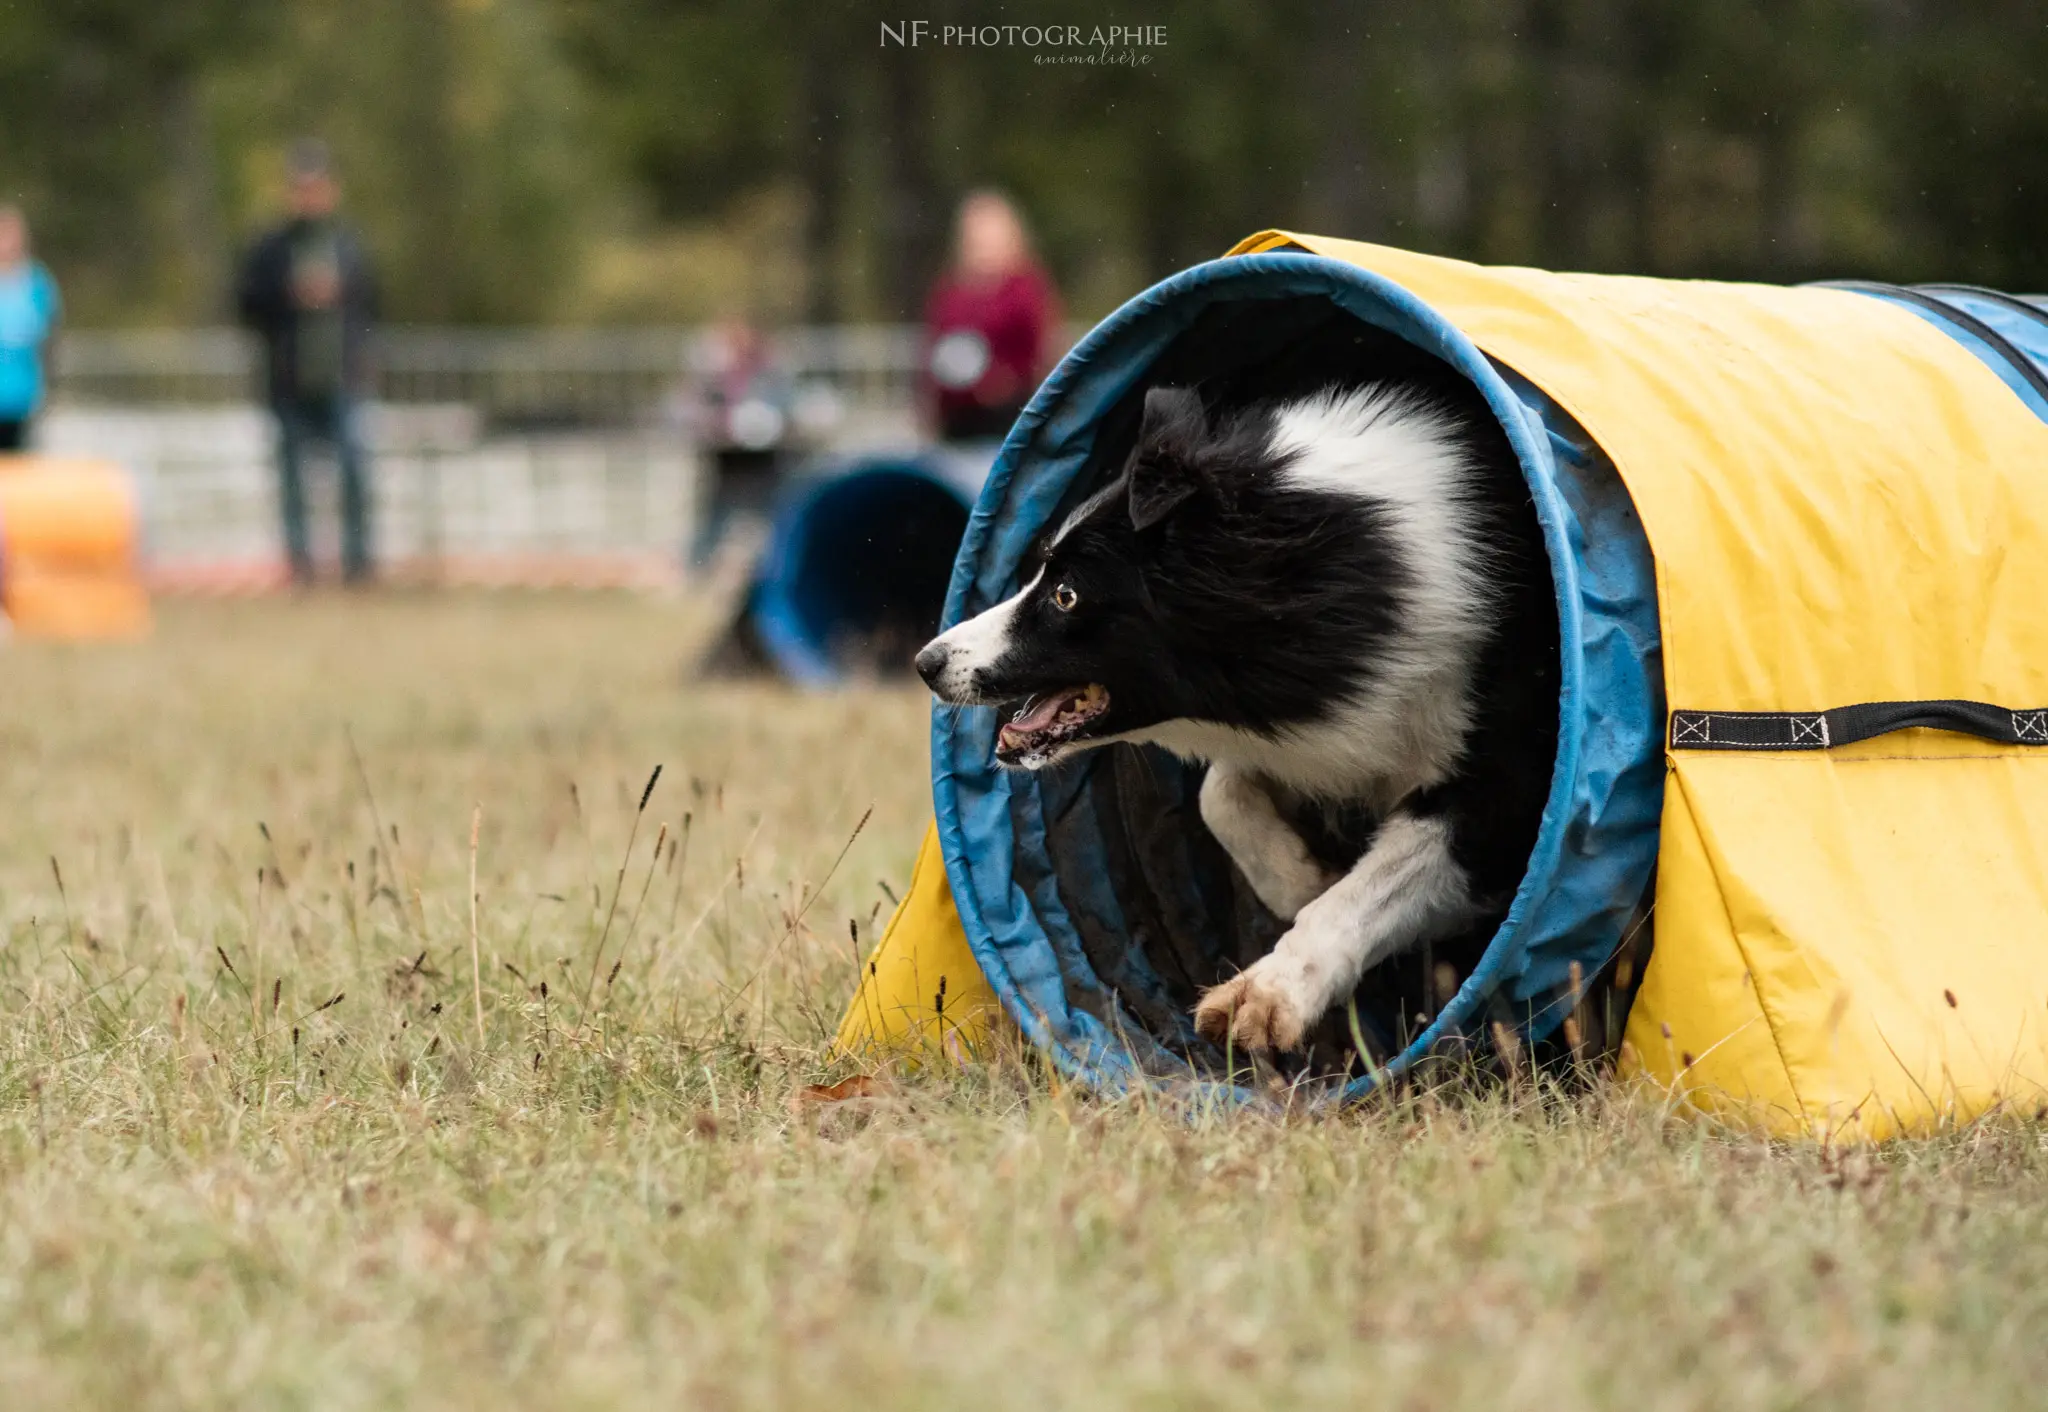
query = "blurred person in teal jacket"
{"x": 29, "y": 310}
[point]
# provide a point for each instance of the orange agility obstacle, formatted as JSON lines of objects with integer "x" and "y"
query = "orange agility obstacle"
{"x": 70, "y": 539}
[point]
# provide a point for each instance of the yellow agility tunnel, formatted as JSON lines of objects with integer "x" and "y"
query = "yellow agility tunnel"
{"x": 70, "y": 548}
{"x": 1800, "y": 544}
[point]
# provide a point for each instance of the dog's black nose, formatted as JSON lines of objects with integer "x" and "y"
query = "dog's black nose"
{"x": 931, "y": 660}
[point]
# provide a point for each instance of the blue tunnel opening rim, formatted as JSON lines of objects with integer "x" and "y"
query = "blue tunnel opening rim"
{"x": 1172, "y": 305}
{"x": 794, "y": 641}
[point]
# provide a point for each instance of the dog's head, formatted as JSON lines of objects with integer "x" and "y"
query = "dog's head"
{"x": 1105, "y": 640}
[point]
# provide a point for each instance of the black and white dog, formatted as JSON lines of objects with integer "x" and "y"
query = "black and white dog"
{"x": 1341, "y": 604}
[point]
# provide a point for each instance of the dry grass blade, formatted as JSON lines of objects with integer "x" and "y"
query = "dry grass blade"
{"x": 639, "y": 904}
{"x": 618, "y": 886}
{"x": 476, "y": 962}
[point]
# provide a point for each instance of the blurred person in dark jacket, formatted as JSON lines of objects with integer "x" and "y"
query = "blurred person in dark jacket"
{"x": 989, "y": 324}
{"x": 307, "y": 289}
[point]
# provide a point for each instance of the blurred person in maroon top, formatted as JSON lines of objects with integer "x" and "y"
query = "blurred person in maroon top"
{"x": 988, "y": 325}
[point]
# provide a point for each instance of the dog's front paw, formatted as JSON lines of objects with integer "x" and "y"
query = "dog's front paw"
{"x": 1259, "y": 1010}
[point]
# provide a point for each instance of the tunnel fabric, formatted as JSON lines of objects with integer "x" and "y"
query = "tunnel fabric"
{"x": 1846, "y": 504}
{"x": 1026, "y": 857}
{"x": 1844, "y": 496}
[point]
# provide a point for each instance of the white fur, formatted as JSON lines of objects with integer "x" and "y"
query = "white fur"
{"x": 985, "y": 637}
{"x": 1403, "y": 731}
{"x": 976, "y": 643}
{"x": 1241, "y": 814}
{"x": 1406, "y": 889}
{"x": 1400, "y": 733}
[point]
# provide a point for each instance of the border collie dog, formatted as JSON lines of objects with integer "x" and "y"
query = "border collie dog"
{"x": 1340, "y": 604}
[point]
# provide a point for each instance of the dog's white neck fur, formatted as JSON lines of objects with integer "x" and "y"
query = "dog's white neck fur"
{"x": 1404, "y": 731}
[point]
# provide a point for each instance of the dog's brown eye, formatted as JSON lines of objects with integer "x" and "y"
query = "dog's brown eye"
{"x": 1064, "y": 598}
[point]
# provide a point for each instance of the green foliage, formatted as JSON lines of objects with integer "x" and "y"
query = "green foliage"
{"x": 456, "y": 130}
{"x": 106, "y": 138}
{"x": 147, "y": 141}
{"x": 535, "y": 159}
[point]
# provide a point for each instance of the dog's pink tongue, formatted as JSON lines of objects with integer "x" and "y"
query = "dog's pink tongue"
{"x": 1041, "y": 711}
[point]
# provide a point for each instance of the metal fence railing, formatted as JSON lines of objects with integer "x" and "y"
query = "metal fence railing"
{"x": 511, "y": 377}
{"x": 602, "y": 504}
{"x": 498, "y": 453}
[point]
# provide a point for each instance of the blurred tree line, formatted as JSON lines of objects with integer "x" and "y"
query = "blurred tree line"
{"x": 654, "y": 160}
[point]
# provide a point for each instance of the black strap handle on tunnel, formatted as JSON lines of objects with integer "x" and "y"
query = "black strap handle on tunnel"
{"x": 1844, "y": 725}
{"x": 1968, "y": 323}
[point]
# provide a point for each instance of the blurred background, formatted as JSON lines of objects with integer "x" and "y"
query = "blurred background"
{"x": 646, "y": 162}
{"x": 565, "y": 202}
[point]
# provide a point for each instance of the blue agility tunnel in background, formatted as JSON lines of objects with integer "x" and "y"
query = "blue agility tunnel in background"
{"x": 1092, "y": 896}
{"x": 858, "y": 558}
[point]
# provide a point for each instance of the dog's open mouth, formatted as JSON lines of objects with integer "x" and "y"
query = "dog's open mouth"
{"x": 1049, "y": 719}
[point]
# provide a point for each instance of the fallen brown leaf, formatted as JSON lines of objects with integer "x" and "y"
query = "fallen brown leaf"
{"x": 859, "y": 1086}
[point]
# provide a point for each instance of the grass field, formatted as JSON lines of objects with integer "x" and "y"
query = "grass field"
{"x": 254, "y": 1152}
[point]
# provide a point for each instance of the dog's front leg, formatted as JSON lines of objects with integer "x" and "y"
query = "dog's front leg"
{"x": 1274, "y": 859}
{"x": 1406, "y": 888}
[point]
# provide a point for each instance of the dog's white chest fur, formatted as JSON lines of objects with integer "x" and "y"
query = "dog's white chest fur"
{"x": 1404, "y": 730}
{"x": 1380, "y": 484}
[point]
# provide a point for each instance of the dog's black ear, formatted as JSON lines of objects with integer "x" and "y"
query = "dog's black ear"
{"x": 1162, "y": 469}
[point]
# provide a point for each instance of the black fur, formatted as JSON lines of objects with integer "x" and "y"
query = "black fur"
{"x": 1202, "y": 587}
{"x": 1205, "y": 590}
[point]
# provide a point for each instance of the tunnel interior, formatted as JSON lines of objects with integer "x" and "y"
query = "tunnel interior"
{"x": 1155, "y": 906}
{"x": 861, "y": 568}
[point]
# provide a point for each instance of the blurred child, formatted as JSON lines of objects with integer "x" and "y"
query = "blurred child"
{"x": 745, "y": 422}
